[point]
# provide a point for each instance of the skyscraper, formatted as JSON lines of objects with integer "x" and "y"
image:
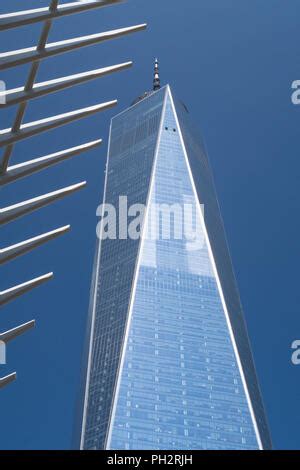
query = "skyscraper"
{"x": 169, "y": 365}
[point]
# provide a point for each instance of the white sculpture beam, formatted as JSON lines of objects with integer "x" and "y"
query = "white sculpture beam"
{"x": 19, "y": 95}
{"x": 21, "y": 18}
{"x": 8, "y": 136}
{"x": 19, "y": 330}
{"x": 19, "y": 249}
{"x": 8, "y": 379}
{"x": 13, "y": 292}
{"x": 31, "y": 54}
{"x": 25, "y": 207}
{"x": 21, "y": 170}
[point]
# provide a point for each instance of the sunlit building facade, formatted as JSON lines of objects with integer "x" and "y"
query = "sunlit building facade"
{"x": 169, "y": 365}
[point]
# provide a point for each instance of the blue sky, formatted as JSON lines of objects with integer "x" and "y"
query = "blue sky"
{"x": 232, "y": 62}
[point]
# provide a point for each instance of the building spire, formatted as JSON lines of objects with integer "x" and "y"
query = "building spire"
{"x": 156, "y": 81}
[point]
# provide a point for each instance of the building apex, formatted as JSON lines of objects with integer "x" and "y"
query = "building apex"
{"x": 156, "y": 85}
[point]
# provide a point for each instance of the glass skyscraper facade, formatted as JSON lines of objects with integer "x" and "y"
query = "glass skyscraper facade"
{"x": 169, "y": 365}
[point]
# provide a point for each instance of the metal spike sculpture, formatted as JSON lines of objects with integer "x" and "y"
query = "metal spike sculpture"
{"x": 20, "y": 131}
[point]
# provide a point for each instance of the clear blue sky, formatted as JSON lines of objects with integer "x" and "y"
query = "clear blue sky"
{"x": 232, "y": 62}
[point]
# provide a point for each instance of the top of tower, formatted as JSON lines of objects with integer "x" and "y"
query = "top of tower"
{"x": 156, "y": 81}
{"x": 156, "y": 84}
